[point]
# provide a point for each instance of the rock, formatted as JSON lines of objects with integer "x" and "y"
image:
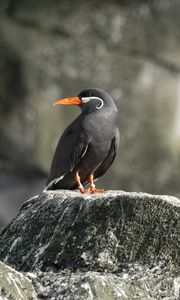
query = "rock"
{"x": 14, "y": 285}
{"x": 102, "y": 246}
{"x": 135, "y": 282}
{"x": 65, "y": 229}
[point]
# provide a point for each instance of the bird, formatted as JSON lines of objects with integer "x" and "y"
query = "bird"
{"x": 88, "y": 146}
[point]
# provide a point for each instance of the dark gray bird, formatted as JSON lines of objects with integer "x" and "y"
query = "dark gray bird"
{"x": 88, "y": 146}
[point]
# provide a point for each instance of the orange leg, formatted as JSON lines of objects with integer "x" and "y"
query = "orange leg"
{"x": 92, "y": 185}
{"x": 80, "y": 186}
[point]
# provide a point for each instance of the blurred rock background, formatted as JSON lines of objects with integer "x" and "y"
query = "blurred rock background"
{"x": 51, "y": 49}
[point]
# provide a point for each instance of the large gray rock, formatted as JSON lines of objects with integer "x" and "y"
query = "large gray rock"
{"x": 116, "y": 245}
{"x": 66, "y": 229}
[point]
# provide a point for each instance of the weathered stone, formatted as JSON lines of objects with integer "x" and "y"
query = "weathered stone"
{"x": 65, "y": 229}
{"x": 115, "y": 245}
{"x": 14, "y": 285}
{"x": 134, "y": 282}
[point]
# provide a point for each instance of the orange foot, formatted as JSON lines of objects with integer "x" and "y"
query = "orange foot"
{"x": 94, "y": 190}
{"x": 83, "y": 191}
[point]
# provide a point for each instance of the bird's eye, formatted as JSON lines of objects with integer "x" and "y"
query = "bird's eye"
{"x": 101, "y": 105}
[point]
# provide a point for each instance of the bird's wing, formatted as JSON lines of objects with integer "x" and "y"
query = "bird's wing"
{"x": 110, "y": 157}
{"x": 71, "y": 148}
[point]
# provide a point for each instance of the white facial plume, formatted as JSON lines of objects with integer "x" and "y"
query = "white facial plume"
{"x": 87, "y": 99}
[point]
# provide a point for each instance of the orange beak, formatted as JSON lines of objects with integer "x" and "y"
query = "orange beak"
{"x": 68, "y": 101}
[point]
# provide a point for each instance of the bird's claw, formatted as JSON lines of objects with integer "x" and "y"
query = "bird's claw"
{"x": 83, "y": 191}
{"x": 91, "y": 190}
{"x": 94, "y": 190}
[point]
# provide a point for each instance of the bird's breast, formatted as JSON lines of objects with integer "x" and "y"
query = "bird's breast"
{"x": 97, "y": 151}
{"x": 99, "y": 131}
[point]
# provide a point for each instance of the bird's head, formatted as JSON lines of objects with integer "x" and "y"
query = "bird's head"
{"x": 90, "y": 100}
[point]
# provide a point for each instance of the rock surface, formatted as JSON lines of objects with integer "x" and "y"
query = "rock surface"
{"x": 117, "y": 245}
{"x": 14, "y": 285}
{"x": 133, "y": 282}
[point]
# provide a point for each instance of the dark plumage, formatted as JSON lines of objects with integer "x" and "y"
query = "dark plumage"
{"x": 88, "y": 145}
